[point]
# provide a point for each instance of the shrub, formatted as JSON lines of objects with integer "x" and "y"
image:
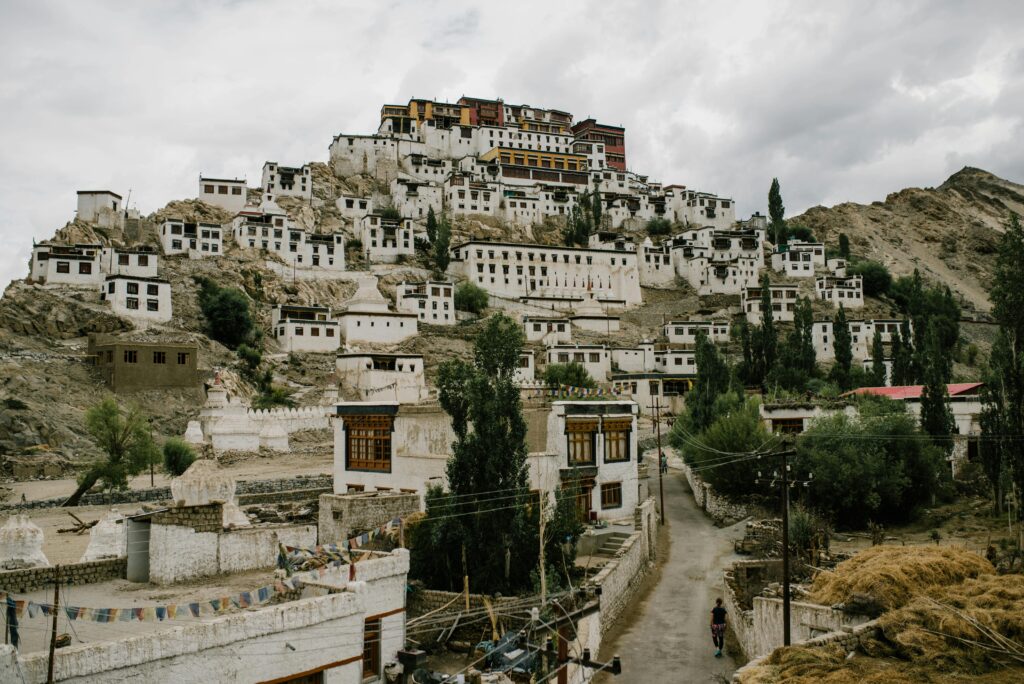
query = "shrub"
{"x": 469, "y": 297}
{"x": 572, "y": 374}
{"x": 250, "y": 357}
{"x": 228, "y": 319}
{"x": 390, "y": 213}
{"x": 178, "y": 456}
{"x": 272, "y": 396}
{"x": 14, "y": 404}
{"x": 800, "y": 233}
{"x": 659, "y": 226}
{"x": 877, "y": 279}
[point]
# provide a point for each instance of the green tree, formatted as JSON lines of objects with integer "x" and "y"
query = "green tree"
{"x": 776, "y": 212}
{"x": 226, "y": 309}
{"x": 737, "y": 428}
{"x": 431, "y": 225}
{"x": 470, "y": 297}
{"x": 126, "y": 441}
{"x": 747, "y": 370}
{"x": 876, "y": 277}
{"x": 936, "y": 416}
{"x": 844, "y": 246}
{"x": 659, "y": 226}
{"x": 871, "y": 468}
{"x": 768, "y": 338}
{"x": 572, "y": 374}
{"x": 472, "y": 531}
{"x": 843, "y": 350}
{"x": 595, "y": 198}
{"x": 1004, "y": 403}
{"x": 440, "y": 244}
{"x": 797, "y": 360}
{"x": 178, "y": 456}
{"x": 877, "y": 359}
{"x": 902, "y": 356}
{"x": 927, "y": 306}
{"x": 713, "y": 379}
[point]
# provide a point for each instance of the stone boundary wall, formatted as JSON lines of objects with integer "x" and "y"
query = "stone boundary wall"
{"x": 741, "y": 622}
{"x": 342, "y": 516}
{"x": 283, "y": 496}
{"x": 849, "y": 638}
{"x": 242, "y": 490}
{"x": 205, "y": 518}
{"x": 721, "y": 509}
{"x": 423, "y": 601}
{"x": 30, "y": 579}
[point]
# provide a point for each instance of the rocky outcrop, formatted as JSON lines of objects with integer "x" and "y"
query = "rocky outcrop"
{"x": 56, "y": 314}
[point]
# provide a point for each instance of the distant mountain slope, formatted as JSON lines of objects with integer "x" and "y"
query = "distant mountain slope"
{"x": 949, "y": 232}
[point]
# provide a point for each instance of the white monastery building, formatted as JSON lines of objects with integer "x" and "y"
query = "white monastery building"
{"x": 287, "y": 181}
{"x": 144, "y": 298}
{"x": 385, "y": 240}
{"x": 137, "y": 263}
{"x": 783, "y": 298}
{"x": 228, "y": 194}
{"x": 305, "y": 328}
{"x": 799, "y": 259}
{"x": 848, "y": 291}
{"x": 368, "y": 320}
{"x": 547, "y": 330}
{"x": 101, "y": 207}
{"x": 685, "y": 332}
{"x": 198, "y": 240}
{"x": 595, "y": 358}
{"x": 74, "y": 265}
{"x": 383, "y": 377}
{"x": 432, "y": 301}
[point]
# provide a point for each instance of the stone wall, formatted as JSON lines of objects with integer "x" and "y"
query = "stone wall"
{"x": 721, "y": 509}
{"x": 246, "y": 491}
{"x": 745, "y": 580}
{"x": 23, "y": 581}
{"x": 806, "y": 621}
{"x": 344, "y": 515}
{"x": 205, "y": 518}
{"x": 850, "y": 638}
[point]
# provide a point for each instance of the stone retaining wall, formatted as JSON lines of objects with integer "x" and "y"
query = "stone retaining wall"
{"x": 721, "y": 509}
{"x": 849, "y": 638}
{"x": 244, "y": 489}
{"x": 205, "y": 518}
{"x": 23, "y": 581}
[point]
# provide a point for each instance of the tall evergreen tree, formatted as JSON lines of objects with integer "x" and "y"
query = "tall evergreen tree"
{"x": 843, "y": 350}
{"x": 878, "y": 359}
{"x": 1007, "y": 359}
{"x": 844, "y": 246}
{"x": 439, "y": 246}
{"x": 796, "y": 357}
{"x": 776, "y": 212}
{"x": 768, "y": 337}
{"x": 995, "y": 450}
{"x": 746, "y": 370}
{"x": 431, "y": 224}
{"x": 902, "y": 356}
{"x": 595, "y": 198}
{"x": 936, "y": 415}
{"x": 472, "y": 531}
{"x": 713, "y": 380}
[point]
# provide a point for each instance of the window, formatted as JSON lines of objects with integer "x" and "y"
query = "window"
{"x": 152, "y": 290}
{"x": 368, "y": 443}
{"x": 63, "y": 267}
{"x": 236, "y": 191}
{"x": 122, "y": 259}
{"x": 182, "y": 358}
{"x": 208, "y": 189}
{"x": 299, "y": 331}
{"x": 581, "y": 437}
{"x": 143, "y": 260}
{"x": 152, "y": 305}
{"x": 371, "y": 648}
{"x": 611, "y": 495}
{"x": 616, "y": 439}
{"x": 84, "y": 267}
{"x": 133, "y": 288}
{"x": 788, "y": 425}
{"x": 132, "y": 302}
{"x": 131, "y": 356}
{"x": 159, "y": 357}
{"x": 314, "y": 331}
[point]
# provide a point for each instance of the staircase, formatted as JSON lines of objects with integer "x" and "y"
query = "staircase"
{"x": 612, "y": 543}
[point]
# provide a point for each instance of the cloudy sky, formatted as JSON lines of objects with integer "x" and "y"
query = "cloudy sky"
{"x": 841, "y": 101}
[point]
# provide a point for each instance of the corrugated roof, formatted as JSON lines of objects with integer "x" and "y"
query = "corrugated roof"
{"x": 903, "y": 392}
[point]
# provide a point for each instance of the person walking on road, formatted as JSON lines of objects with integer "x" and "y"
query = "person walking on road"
{"x": 718, "y": 614}
{"x": 663, "y": 463}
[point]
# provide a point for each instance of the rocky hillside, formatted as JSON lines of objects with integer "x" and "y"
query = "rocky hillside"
{"x": 949, "y": 232}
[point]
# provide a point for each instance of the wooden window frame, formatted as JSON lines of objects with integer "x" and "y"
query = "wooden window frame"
{"x": 369, "y": 437}
{"x": 617, "y": 440}
{"x": 581, "y": 436}
{"x": 371, "y": 647}
{"x": 611, "y": 495}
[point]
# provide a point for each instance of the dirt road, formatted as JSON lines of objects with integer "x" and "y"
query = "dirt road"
{"x": 666, "y": 635}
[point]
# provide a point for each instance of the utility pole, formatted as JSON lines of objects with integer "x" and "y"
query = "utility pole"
{"x": 661, "y": 478}
{"x": 785, "y": 547}
{"x": 53, "y": 630}
{"x": 543, "y": 573}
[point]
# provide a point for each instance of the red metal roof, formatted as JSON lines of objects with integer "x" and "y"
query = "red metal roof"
{"x": 914, "y": 391}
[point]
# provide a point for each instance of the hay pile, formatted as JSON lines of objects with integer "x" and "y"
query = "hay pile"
{"x": 891, "y": 575}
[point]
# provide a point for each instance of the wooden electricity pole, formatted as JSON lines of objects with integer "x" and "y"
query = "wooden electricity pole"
{"x": 785, "y": 546}
{"x": 661, "y": 478}
{"x": 53, "y": 630}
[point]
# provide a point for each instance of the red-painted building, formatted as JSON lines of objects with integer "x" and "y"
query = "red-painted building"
{"x": 484, "y": 112}
{"x": 613, "y": 137}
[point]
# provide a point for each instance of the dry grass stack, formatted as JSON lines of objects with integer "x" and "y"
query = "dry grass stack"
{"x": 891, "y": 575}
{"x": 949, "y": 619}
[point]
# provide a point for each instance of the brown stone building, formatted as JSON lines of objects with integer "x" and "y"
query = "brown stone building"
{"x": 126, "y": 365}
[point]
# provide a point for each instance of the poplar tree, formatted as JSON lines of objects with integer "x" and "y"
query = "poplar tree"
{"x": 1005, "y": 396}
{"x": 440, "y": 244}
{"x": 844, "y": 246}
{"x": 472, "y": 531}
{"x": 843, "y": 350}
{"x": 431, "y": 225}
{"x": 596, "y": 210}
{"x": 878, "y": 359}
{"x": 768, "y": 336}
{"x": 713, "y": 380}
{"x": 776, "y": 211}
{"x": 936, "y": 416}
{"x": 902, "y": 356}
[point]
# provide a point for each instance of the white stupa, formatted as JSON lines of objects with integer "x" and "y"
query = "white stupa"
{"x": 204, "y": 483}
{"x": 21, "y": 544}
